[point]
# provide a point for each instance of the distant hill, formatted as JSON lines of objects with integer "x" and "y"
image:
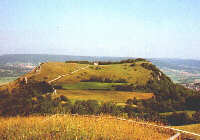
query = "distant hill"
{"x": 38, "y": 58}
{"x": 179, "y": 70}
{"x": 179, "y": 64}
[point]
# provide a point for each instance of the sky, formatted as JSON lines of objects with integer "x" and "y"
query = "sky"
{"x": 125, "y": 28}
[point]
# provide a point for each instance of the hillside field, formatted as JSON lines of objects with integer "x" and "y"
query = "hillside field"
{"x": 69, "y": 127}
{"x": 91, "y": 86}
{"x": 4, "y": 80}
{"x": 103, "y": 95}
{"x": 75, "y": 89}
{"x": 135, "y": 75}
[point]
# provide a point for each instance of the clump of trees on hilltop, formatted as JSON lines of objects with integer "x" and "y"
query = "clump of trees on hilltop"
{"x": 79, "y": 62}
{"x": 122, "y": 61}
{"x": 109, "y": 62}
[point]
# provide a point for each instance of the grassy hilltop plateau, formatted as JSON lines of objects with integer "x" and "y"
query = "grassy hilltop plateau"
{"x": 132, "y": 88}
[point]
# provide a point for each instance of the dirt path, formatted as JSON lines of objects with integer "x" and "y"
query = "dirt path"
{"x": 61, "y": 76}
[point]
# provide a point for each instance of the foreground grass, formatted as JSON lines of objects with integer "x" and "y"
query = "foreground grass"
{"x": 192, "y": 128}
{"x": 76, "y": 128}
{"x": 102, "y": 95}
{"x": 189, "y": 112}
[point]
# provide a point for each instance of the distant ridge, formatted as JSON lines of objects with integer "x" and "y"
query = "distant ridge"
{"x": 187, "y": 65}
{"x": 37, "y": 58}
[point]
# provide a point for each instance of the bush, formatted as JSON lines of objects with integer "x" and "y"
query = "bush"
{"x": 132, "y": 65}
{"x": 140, "y": 59}
{"x": 129, "y": 102}
{"x": 85, "y": 107}
{"x": 196, "y": 117}
{"x": 95, "y": 78}
{"x": 58, "y": 87}
{"x": 79, "y": 62}
{"x": 135, "y": 101}
{"x": 178, "y": 119}
{"x": 130, "y": 110}
{"x": 110, "y": 108}
{"x": 121, "y": 80}
{"x": 193, "y": 102}
{"x": 64, "y": 98}
{"x": 150, "y": 67}
{"x": 124, "y": 87}
{"x": 121, "y": 62}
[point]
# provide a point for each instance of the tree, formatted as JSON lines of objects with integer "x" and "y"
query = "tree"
{"x": 129, "y": 102}
{"x": 135, "y": 101}
{"x": 196, "y": 117}
{"x": 178, "y": 118}
{"x": 110, "y": 108}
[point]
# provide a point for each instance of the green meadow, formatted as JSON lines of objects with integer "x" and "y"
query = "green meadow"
{"x": 91, "y": 86}
{"x": 4, "y": 80}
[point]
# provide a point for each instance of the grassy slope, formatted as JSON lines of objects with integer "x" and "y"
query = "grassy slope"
{"x": 5, "y": 80}
{"x": 52, "y": 70}
{"x": 76, "y": 127}
{"x": 136, "y": 75}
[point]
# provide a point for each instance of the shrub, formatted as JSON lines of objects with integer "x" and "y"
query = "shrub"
{"x": 196, "y": 117}
{"x": 79, "y": 62}
{"x": 130, "y": 110}
{"x": 193, "y": 102}
{"x": 121, "y": 80}
{"x": 178, "y": 118}
{"x": 135, "y": 101}
{"x": 124, "y": 87}
{"x": 140, "y": 59}
{"x": 86, "y": 107}
{"x": 110, "y": 108}
{"x": 132, "y": 65}
{"x": 58, "y": 87}
{"x": 150, "y": 67}
{"x": 93, "y": 106}
{"x": 64, "y": 98}
{"x": 129, "y": 102}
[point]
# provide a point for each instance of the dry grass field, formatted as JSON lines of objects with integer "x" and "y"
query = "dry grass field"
{"x": 102, "y": 95}
{"x": 69, "y": 127}
{"x": 192, "y": 128}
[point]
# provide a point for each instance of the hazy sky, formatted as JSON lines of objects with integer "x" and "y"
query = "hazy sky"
{"x": 136, "y": 28}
